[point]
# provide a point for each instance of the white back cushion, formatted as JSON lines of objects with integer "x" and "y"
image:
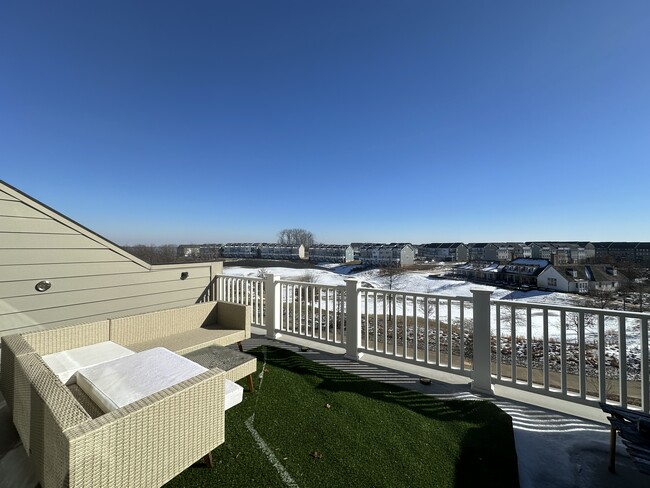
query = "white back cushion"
{"x": 66, "y": 363}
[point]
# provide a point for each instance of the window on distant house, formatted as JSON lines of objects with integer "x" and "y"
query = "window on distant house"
{"x": 552, "y": 282}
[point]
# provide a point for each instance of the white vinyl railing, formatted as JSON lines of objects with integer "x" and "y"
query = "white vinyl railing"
{"x": 581, "y": 354}
{"x": 423, "y": 329}
{"x": 245, "y": 291}
{"x": 312, "y": 311}
{"x": 577, "y": 354}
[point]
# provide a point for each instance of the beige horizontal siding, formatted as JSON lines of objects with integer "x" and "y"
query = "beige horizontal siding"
{"x": 46, "y": 241}
{"x": 58, "y": 256}
{"x": 19, "y": 209}
{"x": 39, "y": 272}
{"x": 35, "y": 226}
{"x": 5, "y": 196}
{"x": 95, "y": 281}
{"x": 50, "y": 299}
{"x": 84, "y": 312}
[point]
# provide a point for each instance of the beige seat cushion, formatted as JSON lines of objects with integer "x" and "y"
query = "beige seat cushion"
{"x": 193, "y": 340}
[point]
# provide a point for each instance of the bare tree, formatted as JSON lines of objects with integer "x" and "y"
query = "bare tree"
{"x": 296, "y": 237}
{"x": 601, "y": 298}
{"x": 393, "y": 276}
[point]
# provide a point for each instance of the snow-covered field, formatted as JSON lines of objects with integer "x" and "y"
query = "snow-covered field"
{"x": 412, "y": 281}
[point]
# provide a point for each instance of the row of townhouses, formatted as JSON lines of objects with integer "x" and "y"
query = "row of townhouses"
{"x": 252, "y": 250}
{"x": 558, "y": 252}
{"x": 405, "y": 254}
{"x": 370, "y": 254}
{"x": 526, "y": 273}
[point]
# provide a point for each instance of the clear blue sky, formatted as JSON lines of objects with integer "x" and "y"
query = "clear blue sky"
{"x": 417, "y": 121}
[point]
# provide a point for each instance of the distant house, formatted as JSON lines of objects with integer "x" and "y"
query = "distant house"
{"x": 282, "y": 251}
{"x": 581, "y": 279}
{"x": 507, "y": 251}
{"x": 200, "y": 251}
{"x": 541, "y": 250}
{"x": 523, "y": 271}
{"x": 483, "y": 251}
{"x": 642, "y": 254}
{"x": 446, "y": 251}
{"x": 623, "y": 251}
{"x": 331, "y": 253}
{"x": 241, "y": 250}
{"x": 566, "y": 278}
{"x": 479, "y": 272}
{"x": 638, "y": 252}
{"x": 601, "y": 251}
{"x": 394, "y": 254}
{"x": 604, "y": 277}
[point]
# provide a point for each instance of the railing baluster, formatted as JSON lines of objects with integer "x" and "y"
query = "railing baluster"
{"x": 563, "y": 347}
{"x": 415, "y": 328}
{"x": 545, "y": 345}
{"x": 437, "y": 342}
{"x": 427, "y": 349}
{"x": 450, "y": 336}
{"x": 461, "y": 304}
{"x": 602, "y": 368}
{"x": 581, "y": 354}
{"x": 645, "y": 376}
{"x": 513, "y": 344}
{"x": 622, "y": 361}
{"x": 529, "y": 345}
{"x": 404, "y": 328}
{"x": 498, "y": 340}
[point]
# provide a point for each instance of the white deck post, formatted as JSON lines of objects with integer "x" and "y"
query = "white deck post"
{"x": 273, "y": 306}
{"x": 482, "y": 373}
{"x": 352, "y": 319}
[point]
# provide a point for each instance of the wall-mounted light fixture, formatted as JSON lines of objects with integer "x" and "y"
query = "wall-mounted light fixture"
{"x": 43, "y": 285}
{"x": 184, "y": 275}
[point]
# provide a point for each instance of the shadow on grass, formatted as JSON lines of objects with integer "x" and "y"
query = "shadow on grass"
{"x": 487, "y": 454}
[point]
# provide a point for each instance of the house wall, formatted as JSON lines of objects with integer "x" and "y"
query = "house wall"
{"x": 91, "y": 278}
{"x": 407, "y": 256}
{"x": 550, "y": 272}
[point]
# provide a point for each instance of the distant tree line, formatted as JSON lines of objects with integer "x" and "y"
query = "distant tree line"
{"x": 165, "y": 254}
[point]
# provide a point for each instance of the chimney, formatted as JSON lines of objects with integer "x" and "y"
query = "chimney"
{"x": 612, "y": 270}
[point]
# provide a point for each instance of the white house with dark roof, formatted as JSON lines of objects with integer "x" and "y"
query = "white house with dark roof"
{"x": 566, "y": 278}
{"x": 573, "y": 278}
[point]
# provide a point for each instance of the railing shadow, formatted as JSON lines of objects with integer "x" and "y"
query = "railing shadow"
{"x": 488, "y": 443}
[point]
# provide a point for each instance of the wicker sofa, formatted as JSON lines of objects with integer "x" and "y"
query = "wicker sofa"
{"x": 71, "y": 442}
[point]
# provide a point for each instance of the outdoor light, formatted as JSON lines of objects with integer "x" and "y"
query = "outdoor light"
{"x": 43, "y": 285}
{"x": 184, "y": 275}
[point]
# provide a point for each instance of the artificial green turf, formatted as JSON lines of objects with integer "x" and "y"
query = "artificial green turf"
{"x": 328, "y": 428}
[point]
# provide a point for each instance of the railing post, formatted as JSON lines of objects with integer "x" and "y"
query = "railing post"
{"x": 482, "y": 372}
{"x": 215, "y": 288}
{"x": 273, "y": 307}
{"x": 352, "y": 319}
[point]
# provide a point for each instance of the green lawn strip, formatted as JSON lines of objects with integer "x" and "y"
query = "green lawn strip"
{"x": 329, "y": 428}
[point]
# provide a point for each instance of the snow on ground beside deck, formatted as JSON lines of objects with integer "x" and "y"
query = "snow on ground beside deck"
{"x": 422, "y": 282}
{"x": 412, "y": 281}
